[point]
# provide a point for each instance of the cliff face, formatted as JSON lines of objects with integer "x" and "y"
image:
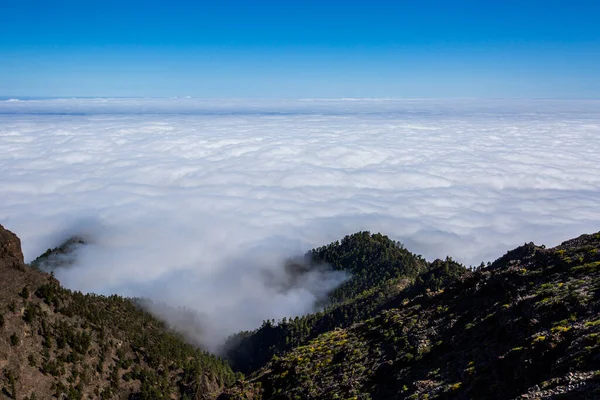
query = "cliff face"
{"x": 11, "y": 255}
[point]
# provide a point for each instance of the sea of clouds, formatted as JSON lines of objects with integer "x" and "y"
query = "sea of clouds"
{"x": 190, "y": 202}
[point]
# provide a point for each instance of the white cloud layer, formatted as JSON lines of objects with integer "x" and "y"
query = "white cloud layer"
{"x": 187, "y": 199}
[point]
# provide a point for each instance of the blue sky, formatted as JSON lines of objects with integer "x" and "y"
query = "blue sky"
{"x": 300, "y": 48}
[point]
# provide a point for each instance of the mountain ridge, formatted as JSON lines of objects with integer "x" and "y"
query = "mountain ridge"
{"x": 526, "y": 326}
{"x": 57, "y": 343}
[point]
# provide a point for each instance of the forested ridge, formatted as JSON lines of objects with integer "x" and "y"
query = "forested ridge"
{"x": 379, "y": 267}
{"x": 56, "y": 343}
{"x": 526, "y": 326}
{"x": 400, "y": 327}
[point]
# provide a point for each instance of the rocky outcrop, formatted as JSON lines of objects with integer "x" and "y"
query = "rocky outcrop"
{"x": 11, "y": 255}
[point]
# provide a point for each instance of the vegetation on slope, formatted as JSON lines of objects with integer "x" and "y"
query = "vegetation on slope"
{"x": 379, "y": 267}
{"x": 63, "y": 344}
{"x": 60, "y": 256}
{"x": 371, "y": 260}
{"x": 527, "y": 327}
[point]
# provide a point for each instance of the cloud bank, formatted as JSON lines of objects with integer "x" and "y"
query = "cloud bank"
{"x": 191, "y": 201}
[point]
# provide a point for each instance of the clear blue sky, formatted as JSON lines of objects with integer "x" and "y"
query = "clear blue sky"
{"x": 219, "y": 48}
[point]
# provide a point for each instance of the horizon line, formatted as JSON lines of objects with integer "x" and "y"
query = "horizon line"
{"x": 346, "y": 98}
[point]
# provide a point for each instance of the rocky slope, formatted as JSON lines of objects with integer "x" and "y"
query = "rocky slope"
{"x": 528, "y": 326}
{"x": 55, "y": 343}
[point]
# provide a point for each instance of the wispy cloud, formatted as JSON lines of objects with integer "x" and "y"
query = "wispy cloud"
{"x": 187, "y": 199}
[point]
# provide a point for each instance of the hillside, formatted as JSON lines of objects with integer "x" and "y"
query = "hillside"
{"x": 379, "y": 269}
{"x": 55, "y": 343}
{"x": 527, "y": 326}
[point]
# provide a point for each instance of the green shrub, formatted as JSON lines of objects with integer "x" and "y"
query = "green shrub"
{"x": 24, "y": 293}
{"x": 14, "y": 339}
